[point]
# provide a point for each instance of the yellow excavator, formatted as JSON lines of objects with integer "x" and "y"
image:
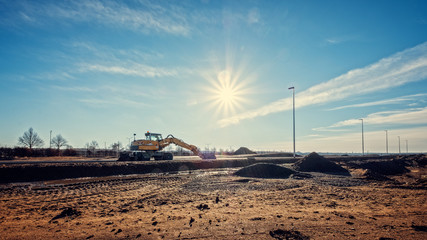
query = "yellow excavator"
{"x": 151, "y": 146}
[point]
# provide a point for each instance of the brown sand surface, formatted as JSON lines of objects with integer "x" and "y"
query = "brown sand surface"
{"x": 215, "y": 204}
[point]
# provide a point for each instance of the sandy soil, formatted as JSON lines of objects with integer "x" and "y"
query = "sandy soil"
{"x": 215, "y": 204}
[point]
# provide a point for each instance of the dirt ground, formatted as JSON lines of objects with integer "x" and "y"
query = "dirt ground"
{"x": 215, "y": 204}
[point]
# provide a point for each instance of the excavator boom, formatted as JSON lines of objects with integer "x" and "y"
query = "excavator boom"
{"x": 171, "y": 139}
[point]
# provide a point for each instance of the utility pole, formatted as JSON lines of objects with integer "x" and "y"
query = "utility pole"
{"x": 129, "y": 141}
{"x": 50, "y": 139}
{"x": 398, "y": 137}
{"x": 386, "y": 141}
{"x": 407, "y": 146}
{"x": 293, "y": 111}
{"x": 118, "y": 148}
{"x": 363, "y": 140}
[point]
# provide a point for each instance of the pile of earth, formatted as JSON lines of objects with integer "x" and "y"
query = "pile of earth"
{"x": 243, "y": 150}
{"x": 371, "y": 175}
{"x": 279, "y": 154}
{"x": 418, "y": 160}
{"x": 268, "y": 170}
{"x": 316, "y": 163}
{"x": 393, "y": 167}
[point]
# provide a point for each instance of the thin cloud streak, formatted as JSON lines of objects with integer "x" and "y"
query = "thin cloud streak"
{"x": 74, "y": 89}
{"x": 374, "y": 141}
{"x": 407, "y": 66}
{"x": 140, "y": 70}
{"x": 351, "y": 141}
{"x": 406, "y": 117}
{"x": 397, "y": 100}
{"x": 143, "y": 16}
{"x": 116, "y": 101}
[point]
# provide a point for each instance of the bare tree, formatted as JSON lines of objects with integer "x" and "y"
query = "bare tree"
{"x": 30, "y": 139}
{"x": 116, "y": 146}
{"x": 91, "y": 147}
{"x": 59, "y": 141}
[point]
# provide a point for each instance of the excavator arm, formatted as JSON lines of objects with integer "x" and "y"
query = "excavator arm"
{"x": 171, "y": 139}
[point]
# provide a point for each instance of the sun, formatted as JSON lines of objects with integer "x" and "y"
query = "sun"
{"x": 227, "y": 94}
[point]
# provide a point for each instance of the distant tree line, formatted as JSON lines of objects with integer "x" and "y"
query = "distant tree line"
{"x": 31, "y": 145}
{"x": 10, "y": 153}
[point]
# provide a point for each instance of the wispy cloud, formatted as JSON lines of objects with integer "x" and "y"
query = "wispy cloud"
{"x": 74, "y": 89}
{"x": 340, "y": 39}
{"x": 120, "y": 61}
{"x": 140, "y": 70}
{"x": 253, "y": 16}
{"x": 407, "y": 66}
{"x": 397, "y": 100}
{"x": 99, "y": 51}
{"x": 116, "y": 101}
{"x": 405, "y": 117}
{"x": 54, "y": 76}
{"x": 142, "y": 16}
{"x": 374, "y": 141}
{"x": 332, "y": 41}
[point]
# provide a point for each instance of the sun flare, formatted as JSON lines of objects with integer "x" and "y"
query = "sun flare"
{"x": 227, "y": 96}
{"x": 227, "y": 93}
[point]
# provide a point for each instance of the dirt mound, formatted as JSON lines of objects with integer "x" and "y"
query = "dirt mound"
{"x": 419, "y": 160}
{"x": 371, "y": 175}
{"x": 243, "y": 150}
{"x": 265, "y": 170}
{"x": 280, "y": 154}
{"x": 393, "y": 167}
{"x": 316, "y": 163}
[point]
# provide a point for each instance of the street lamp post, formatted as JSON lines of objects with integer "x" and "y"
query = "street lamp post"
{"x": 398, "y": 137}
{"x": 129, "y": 141}
{"x": 386, "y": 141}
{"x": 363, "y": 140}
{"x": 293, "y": 111}
{"x": 407, "y": 146}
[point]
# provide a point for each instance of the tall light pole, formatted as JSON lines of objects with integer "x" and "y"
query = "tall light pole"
{"x": 407, "y": 146}
{"x": 398, "y": 137}
{"x": 363, "y": 140}
{"x": 293, "y": 109}
{"x": 129, "y": 141}
{"x": 50, "y": 139}
{"x": 386, "y": 141}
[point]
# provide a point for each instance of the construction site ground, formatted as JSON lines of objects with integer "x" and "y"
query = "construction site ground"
{"x": 212, "y": 203}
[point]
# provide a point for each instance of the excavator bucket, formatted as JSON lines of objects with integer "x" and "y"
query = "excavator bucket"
{"x": 207, "y": 156}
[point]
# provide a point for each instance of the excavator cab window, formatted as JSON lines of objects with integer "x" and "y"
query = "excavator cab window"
{"x": 153, "y": 136}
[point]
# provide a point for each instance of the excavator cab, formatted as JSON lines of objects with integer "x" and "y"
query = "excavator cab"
{"x": 153, "y": 136}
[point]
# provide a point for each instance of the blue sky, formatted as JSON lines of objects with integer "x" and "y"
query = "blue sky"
{"x": 216, "y": 73}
